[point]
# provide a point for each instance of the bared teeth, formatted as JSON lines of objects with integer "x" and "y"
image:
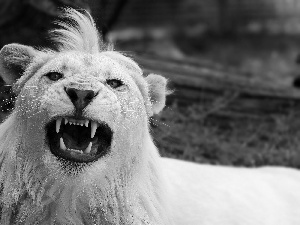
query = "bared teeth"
{"x": 88, "y": 148}
{"x": 77, "y": 122}
{"x": 62, "y": 144}
{"x": 58, "y": 123}
{"x": 93, "y": 128}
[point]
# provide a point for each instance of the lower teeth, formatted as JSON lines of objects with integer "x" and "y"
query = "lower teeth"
{"x": 63, "y": 147}
{"x": 75, "y": 150}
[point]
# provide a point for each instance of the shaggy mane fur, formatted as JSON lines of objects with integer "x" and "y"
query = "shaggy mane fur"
{"x": 78, "y": 33}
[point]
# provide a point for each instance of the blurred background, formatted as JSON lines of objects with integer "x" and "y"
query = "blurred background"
{"x": 231, "y": 63}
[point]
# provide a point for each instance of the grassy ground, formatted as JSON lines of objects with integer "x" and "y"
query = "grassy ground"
{"x": 185, "y": 133}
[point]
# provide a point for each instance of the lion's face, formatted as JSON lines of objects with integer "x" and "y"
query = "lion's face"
{"x": 88, "y": 100}
{"x": 82, "y": 108}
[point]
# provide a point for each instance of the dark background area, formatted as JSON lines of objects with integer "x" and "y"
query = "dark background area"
{"x": 231, "y": 63}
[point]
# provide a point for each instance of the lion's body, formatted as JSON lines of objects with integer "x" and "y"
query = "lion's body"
{"x": 218, "y": 195}
{"x": 77, "y": 149}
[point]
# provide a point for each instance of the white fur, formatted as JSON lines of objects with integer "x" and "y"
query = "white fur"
{"x": 132, "y": 184}
{"x": 218, "y": 195}
{"x": 123, "y": 187}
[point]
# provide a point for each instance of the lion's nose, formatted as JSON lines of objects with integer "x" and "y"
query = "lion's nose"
{"x": 80, "y": 98}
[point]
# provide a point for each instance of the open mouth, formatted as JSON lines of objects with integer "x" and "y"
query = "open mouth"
{"x": 78, "y": 140}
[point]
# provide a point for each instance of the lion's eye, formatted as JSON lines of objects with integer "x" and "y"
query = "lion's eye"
{"x": 54, "y": 76}
{"x": 114, "y": 83}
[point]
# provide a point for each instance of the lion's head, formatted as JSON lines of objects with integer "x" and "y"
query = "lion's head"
{"x": 77, "y": 148}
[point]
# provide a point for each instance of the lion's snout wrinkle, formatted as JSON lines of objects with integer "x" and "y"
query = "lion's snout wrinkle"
{"x": 80, "y": 98}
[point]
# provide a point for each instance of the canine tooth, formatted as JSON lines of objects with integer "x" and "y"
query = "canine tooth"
{"x": 93, "y": 128}
{"x": 62, "y": 144}
{"x": 66, "y": 121}
{"x": 87, "y": 123}
{"x": 58, "y": 122}
{"x": 88, "y": 148}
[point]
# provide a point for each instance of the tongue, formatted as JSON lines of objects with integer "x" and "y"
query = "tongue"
{"x": 72, "y": 143}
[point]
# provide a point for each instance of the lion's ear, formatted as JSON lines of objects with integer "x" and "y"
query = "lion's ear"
{"x": 14, "y": 58}
{"x": 157, "y": 86}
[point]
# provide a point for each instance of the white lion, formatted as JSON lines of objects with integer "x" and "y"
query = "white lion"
{"x": 77, "y": 149}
